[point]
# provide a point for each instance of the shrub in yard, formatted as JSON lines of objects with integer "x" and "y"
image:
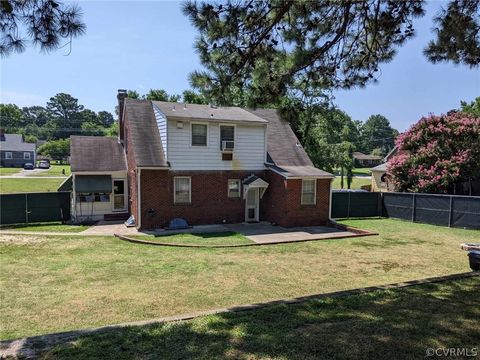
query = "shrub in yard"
{"x": 436, "y": 153}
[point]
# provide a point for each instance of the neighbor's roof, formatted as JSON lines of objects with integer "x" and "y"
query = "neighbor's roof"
{"x": 381, "y": 167}
{"x": 14, "y": 142}
{"x": 284, "y": 150}
{"x": 206, "y": 112}
{"x": 144, "y": 134}
{"x": 361, "y": 156}
{"x": 96, "y": 153}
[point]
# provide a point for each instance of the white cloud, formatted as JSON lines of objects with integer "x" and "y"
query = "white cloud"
{"x": 22, "y": 99}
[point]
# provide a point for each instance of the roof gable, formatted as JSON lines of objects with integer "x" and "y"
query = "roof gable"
{"x": 143, "y": 134}
{"x": 14, "y": 142}
{"x": 96, "y": 153}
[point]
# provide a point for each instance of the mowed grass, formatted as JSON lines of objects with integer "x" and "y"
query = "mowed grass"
{"x": 9, "y": 171}
{"x": 58, "y": 283}
{"x": 24, "y": 184}
{"x": 356, "y": 182}
{"x": 219, "y": 238}
{"x": 55, "y": 170}
{"x": 388, "y": 324}
{"x": 45, "y": 227}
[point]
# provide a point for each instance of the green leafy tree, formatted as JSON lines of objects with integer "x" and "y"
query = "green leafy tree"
{"x": 191, "y": 97}
{"x": 105, "y": 119}
{"x": 376, "y": 133}
{"x": 55, "y": 149}
{"x": 11, "y": 118}
{"x": 457, "y": 34}
{"x": 45, "y": 23}
{"x": 471, "y": 108}
{"x": 267, "y": 47}
{"x": 161, "y": 95}
{"x": 132, "y": 94}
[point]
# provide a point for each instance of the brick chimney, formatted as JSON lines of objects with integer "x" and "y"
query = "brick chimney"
{"x": 2, "y": 134}
{"x": 121, "y": 95}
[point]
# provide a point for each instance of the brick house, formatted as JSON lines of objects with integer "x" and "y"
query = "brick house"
{"x": 206, "y": 165}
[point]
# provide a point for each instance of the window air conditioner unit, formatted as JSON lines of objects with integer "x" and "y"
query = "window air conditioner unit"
{"x": 227, "y": 146}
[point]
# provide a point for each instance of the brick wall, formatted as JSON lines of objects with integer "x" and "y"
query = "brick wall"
{"x": 282, "y": 202}
{"x": 210, "y": 203}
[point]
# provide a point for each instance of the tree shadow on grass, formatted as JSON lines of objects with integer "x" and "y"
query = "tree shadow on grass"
{"x": 385, "y": 324}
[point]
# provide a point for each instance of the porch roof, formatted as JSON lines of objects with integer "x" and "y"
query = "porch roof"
{"x": 93, "y": 183}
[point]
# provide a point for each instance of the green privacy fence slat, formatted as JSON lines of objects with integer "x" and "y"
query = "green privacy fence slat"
{"x": 356, "y": 204}
{"x": 34, "y": 207}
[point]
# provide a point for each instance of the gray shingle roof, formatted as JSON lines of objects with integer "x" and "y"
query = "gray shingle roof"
{"x": 96, "y": 153}
{"x": 284, "y": 149}
{"x": 205, "y": 112}
{"x": 144, "y": 134}
{"x": 14, "y": 142}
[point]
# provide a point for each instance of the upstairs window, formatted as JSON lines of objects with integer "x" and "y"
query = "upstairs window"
{"x": 182, "y": 194}
{"x": 26, "y": 156}
{"x": 199, "y": 134}
{"x": 227, "y": 137}
{"x": 309, "y": 192}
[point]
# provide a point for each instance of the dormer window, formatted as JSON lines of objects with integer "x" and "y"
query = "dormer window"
{"x": 227, "y": 138}
{"x": 199, "y": 134}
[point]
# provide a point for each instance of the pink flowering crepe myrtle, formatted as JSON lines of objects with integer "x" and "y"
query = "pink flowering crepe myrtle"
{"x": 435, "y": 153}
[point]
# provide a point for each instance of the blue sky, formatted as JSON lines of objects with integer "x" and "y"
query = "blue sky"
{"x": 142, "y": 45}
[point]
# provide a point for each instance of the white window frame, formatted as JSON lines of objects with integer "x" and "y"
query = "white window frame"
{"x": 191, "y": 134}
{"x": 8, "y": 155}
{"x": 25, "y": 157}
{"x": 239, "y": 189}
{"x": 234, "y": 133}
{"x": 314, "y": 192}
{"x": 175, "y": 189}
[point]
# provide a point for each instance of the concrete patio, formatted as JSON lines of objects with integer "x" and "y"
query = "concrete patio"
{"x": 260, "y": 233}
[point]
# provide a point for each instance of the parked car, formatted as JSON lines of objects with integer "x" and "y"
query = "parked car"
{"x": 28, "y": 166}
{"x": 44, "y": 164}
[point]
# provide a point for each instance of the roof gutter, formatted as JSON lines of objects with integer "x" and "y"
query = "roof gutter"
{"x": 139, "y": 198}
{"x": 301, "y": 177}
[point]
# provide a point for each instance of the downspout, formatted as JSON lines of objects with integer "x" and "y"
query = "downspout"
{"x": 74, "y": 199}
{"x": 139, "y": 202}
{"x": 330, "y": 201}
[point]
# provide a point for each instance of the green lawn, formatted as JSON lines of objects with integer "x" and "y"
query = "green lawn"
{"x": 219, "y": 238}
{"x": 46, "y": 227}
{"x": 9, "y": 171}
{"x": 356, "y": 171}
{"x": 21, "y": 185}
{"x": 55, "y": 170}
{"x": 56, "y": 283}
{"x": 388, "y": 324}
{"x": 356, "y": 182}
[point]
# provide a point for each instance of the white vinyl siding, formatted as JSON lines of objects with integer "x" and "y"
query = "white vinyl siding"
{"x": 309, "y": 191}
{"x": 249, "y": 153}
{"x": 161, "y": 120}
{"x": 183, "y": 190}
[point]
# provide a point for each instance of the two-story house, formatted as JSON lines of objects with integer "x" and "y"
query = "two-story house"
{"x": 197, "y": 162}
